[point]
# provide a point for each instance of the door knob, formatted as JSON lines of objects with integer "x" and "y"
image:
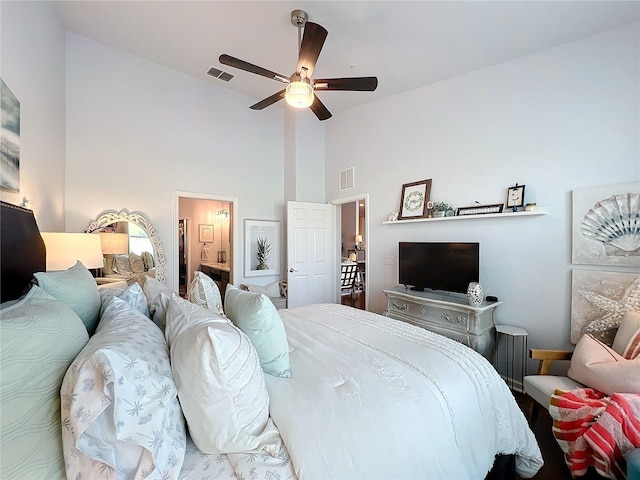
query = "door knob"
{"x": 293, "y": 270}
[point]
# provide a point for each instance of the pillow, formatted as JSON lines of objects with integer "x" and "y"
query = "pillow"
{"x": 135, "y": 297}
{"x": 204, "y": 291}
{"x": 627, "y": 339}
{"x": 596, "y": 365}
{"x": 257, "y": 317}
{"x": 158, "y": 295}
{"x": 120, "y": 414}
{"x": 220, "y": 384}
{"x": 122, "y": 265}
{"x": 108, "y": 263}
{"x": 39, "y": 338}
{"x": 271, "y": 290}
{"x": 77, "y": 288}
{"x": 147, "y": 259}
{"x": 137, "y": 265}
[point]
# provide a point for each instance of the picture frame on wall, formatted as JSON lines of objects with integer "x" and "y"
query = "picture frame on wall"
{"x": 10, "y": 144}
{"x": 261, "y": 248}
{"x": 515, "y": 197}
{"x": 205, "y": 233}
{"x": 413, "y": 202}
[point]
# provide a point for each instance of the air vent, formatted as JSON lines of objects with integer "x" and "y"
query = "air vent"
{"x": 347, "y": 178}
{"x": 214, "y": 72}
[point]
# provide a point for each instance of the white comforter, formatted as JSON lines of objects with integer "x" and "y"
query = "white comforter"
{"x": 371, "y": 397}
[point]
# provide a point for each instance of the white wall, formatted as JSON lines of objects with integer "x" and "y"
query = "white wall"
{"x": 554, "y": 121}
{"x": 137, "y": 132}
{"x": 32, "y": 66}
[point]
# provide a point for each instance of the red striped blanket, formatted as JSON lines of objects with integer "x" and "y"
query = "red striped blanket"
{"x": 596, "y": 430}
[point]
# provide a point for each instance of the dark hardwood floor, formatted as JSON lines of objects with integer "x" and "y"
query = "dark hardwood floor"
{"x": 554, "y": 467}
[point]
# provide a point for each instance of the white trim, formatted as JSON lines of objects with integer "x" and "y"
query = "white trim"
{"x": 236, "y": 268}
{"x": 354, "y": 198}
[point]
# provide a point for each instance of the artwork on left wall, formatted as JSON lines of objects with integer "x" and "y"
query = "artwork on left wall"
{"x": 9, "y": 140}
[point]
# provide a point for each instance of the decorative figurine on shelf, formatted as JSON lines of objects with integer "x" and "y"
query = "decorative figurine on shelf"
{"x": 393, "y": 216}
{"x": 515, "y": 197}
{"x": 429, "y": 209}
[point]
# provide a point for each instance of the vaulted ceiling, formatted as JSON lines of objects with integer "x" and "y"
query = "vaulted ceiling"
{"x": 406, "y": 44}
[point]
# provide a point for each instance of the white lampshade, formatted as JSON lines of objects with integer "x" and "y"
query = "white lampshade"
{"x": 299, "y": 94}
{"x": 65, "y": 249}
{"x": 114, "y": 243}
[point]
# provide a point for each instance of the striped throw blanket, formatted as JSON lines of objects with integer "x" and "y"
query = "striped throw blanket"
{"x": 596, "y": 430}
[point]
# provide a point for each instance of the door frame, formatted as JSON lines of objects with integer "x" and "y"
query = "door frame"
{"x": 351, "y": 199}
{"x": 236, "y": 269}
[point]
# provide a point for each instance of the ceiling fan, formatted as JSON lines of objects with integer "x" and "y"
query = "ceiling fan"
{"x": 300, "y": 88}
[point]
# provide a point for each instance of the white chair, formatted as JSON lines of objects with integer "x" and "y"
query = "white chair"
{"x": 348, "y": 275}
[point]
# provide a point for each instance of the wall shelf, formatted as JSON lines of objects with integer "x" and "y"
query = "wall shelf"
{"x": 470, "y": 217}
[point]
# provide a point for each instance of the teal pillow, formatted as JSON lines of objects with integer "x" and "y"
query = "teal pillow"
{"x": 257, "y": 317}
{"x": 39, "y": 338}
{"x": 76, "y": 288}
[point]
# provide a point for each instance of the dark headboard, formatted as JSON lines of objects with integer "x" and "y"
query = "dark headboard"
{"x": 22, "y": 250}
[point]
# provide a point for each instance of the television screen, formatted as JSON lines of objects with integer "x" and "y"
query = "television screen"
{"x": 439, "y": 265}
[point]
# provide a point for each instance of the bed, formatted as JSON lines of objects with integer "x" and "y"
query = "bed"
{"x": 355, "y": 395}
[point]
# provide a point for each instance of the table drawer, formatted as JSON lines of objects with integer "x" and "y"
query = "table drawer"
{"x": 434, "y": 315}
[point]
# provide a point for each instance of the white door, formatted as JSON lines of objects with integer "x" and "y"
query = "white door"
{"x": 311, "y": 254}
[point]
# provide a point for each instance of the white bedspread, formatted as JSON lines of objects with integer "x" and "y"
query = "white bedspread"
{"x": 371, "y": 397}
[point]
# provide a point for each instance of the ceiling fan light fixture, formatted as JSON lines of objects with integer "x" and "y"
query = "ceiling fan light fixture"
{"x": 299, "y": 94}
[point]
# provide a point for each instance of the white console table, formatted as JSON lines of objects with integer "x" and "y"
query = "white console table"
{"x": 447, "y": 314}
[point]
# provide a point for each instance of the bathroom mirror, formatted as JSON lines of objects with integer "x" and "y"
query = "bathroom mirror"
{"x": 110, "y": 219}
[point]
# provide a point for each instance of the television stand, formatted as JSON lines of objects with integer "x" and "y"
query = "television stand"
{"x": 448, "y": 314}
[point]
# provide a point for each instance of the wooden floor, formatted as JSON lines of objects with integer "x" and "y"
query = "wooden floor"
{"x": 357, "y": 302}
{"x": 554, "y": 467}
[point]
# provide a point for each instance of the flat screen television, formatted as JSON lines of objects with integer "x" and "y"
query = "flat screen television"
{"x": 438, "y": 265}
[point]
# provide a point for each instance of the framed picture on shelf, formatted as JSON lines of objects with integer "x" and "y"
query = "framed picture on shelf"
{"x": 261, "y": 248}
{"x": 413, "y": 203}
{"x": 479, "y": 209}
{"x": 515, "y": 197}
{"x": 205, "y": 233}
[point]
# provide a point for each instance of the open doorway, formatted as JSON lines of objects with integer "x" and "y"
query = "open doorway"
{"x": 354, "y": 228}
{"x": 206, "y": 239}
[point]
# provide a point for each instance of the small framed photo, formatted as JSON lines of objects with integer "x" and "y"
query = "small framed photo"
{"x": 515, "y": 197}
{"x": 479, "y": 209}
{"x": 205, "y": 233}
{"x": 413, "y": 203}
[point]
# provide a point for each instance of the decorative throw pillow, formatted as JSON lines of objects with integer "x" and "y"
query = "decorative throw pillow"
{"x": 271, "y": 290}
{"x": 77, "y": 288}
{"x": 108, "y": 262}
{"x": 39, "y": 338}
{"x": 257, "y": 317}
{"x": 137, "y": 265}
{"x": 147, "y": 259}
{"x": 627, "y": 339}
{"x": 135, "y": 297}
{"x": 158, "y": 295}
{"x": 120, "y": 413}
{"x": 220, "y": 384}
{"x": 596, "y": 365}
{"x": 122, "y": 265}
{"x": 204, "y": 291}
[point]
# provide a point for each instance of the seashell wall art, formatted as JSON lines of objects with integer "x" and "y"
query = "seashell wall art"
{"x": 606, "y": 225}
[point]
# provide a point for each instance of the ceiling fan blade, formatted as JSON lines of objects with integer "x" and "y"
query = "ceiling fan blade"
{"x": 269, "y": 100}
{"x": 310, "y": 47}
{"x": 319, "y": 109}
{"x": 358, "y": 84}
{"x": 251, "y": 68}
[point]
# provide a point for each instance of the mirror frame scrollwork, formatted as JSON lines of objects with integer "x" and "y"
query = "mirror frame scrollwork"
{"x": 110, "y": 217}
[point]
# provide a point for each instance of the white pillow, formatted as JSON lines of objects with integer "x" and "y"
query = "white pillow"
{"x": 120, "y": 413}
{"x": 271, "y": 290}
{"x": 203, "y": 291}
{"x": 220, "y": 383}
{"x": 627, "y": 339}
{"x": 158, "y": 295}
{"x": 258, "y": 318}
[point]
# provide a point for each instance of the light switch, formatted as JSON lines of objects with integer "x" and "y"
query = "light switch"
{"x": 389, "y": 260}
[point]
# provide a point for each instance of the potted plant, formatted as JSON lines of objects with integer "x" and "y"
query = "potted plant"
{"x": 440, "y": 208}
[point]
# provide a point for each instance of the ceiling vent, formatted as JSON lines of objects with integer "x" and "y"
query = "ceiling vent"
{"x": 214, "y": 72}
{"x": 347, "y": 178}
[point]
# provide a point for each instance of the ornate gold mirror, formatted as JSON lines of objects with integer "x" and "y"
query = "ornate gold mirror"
{"x": 137, "y": 225}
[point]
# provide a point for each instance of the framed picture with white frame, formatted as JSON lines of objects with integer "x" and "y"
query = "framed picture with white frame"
{"x": 261, "y": 248}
